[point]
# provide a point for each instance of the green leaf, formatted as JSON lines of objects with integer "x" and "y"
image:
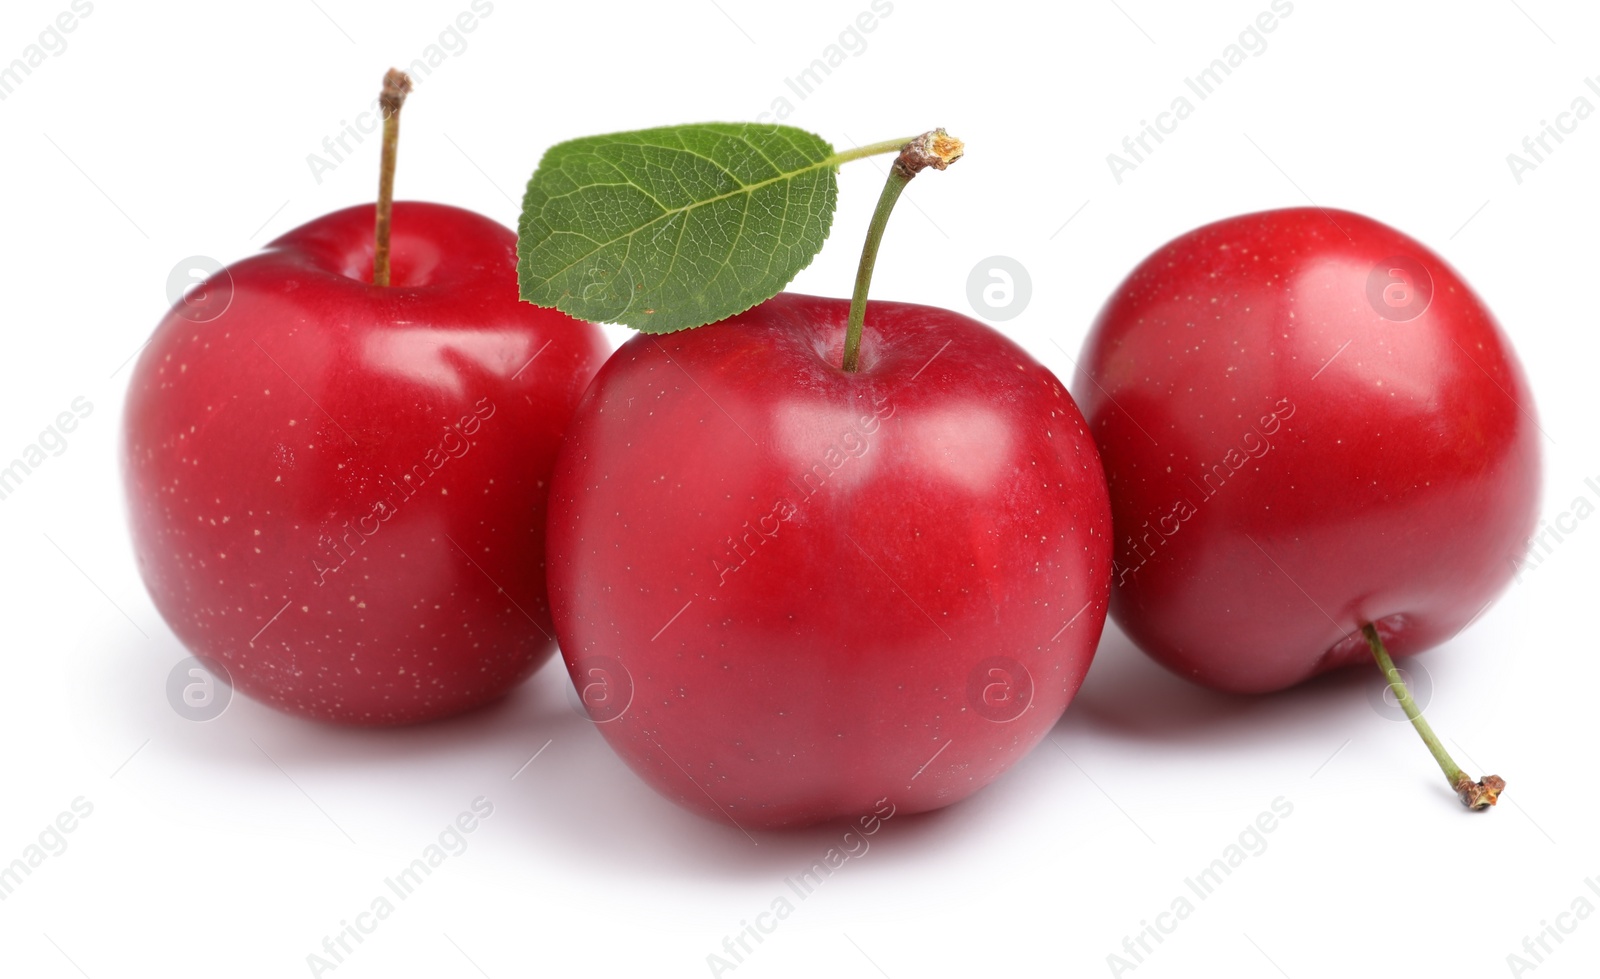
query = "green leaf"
{"x": 666, "y": 229}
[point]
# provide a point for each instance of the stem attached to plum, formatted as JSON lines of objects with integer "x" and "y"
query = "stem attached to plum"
{"x": 1474, "y": 795}
{"x": 937, "y": 149}
{"x": 396, "y": 86}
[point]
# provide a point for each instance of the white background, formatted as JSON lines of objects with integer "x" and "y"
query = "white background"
{"x": 233, "y": 847}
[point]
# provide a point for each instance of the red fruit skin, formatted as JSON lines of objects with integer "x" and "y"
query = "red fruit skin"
{"x": 301, "y": 467}
{"x": 1399, "y": 488}
{"x": 917, "y": 621}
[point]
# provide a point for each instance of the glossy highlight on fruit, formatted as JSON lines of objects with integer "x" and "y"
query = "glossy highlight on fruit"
{"x": 787, "y": 592}
{"x": 337, "y": 490}
{"x": 1309, "y": 422}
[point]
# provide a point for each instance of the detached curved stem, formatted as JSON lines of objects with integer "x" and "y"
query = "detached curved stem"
{"x": 1474, "y": 795}
{"x": 937, "y": 149}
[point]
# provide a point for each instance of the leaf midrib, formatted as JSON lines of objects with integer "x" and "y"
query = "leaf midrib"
{"x": 742, "y": 189}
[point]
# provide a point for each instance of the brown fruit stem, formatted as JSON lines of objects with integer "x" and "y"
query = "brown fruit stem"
{"x": 396, "y": 86}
